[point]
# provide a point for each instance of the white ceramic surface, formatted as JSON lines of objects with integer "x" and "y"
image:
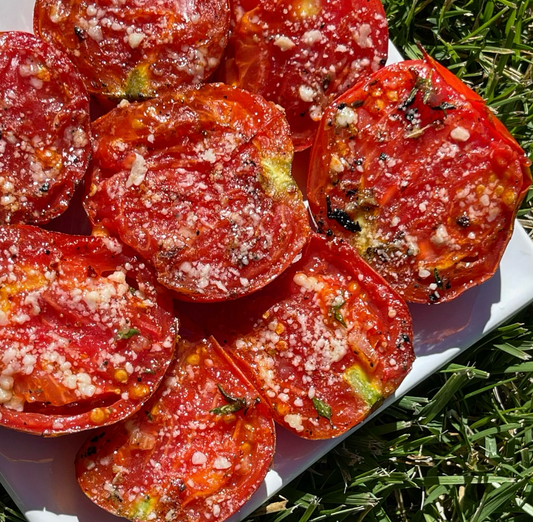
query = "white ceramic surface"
{"x": 39, "y": 473}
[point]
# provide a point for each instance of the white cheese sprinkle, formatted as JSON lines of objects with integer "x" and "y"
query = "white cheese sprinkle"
{"x": 135, "y": 39}
{"x": 138, "y": 171}
{"x": 198, "y": 458}
{"x": 284, "y": 43}
{"x": 460, "y": 134}
{"x": 307, "y": 94}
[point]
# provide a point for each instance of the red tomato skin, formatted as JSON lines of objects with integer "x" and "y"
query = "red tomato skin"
{"x": 177, "y": 457}
{"x": 44, "y": 132}
{"x": 289, "y": 339}
{"x": 217, "y": 211}
{"x": 432, "y": 237}
{"x": 303, "y": 55}
{"x": 136, "y": 50}
{"x": 86, "y": 333}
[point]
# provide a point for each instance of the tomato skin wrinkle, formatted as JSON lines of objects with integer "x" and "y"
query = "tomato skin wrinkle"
{"x": 180, "y": 458}
{"x": 245, "y": 220}
{"x": 64, "y": 367}
{"x": 44, "y": 132}
{"x": 426, "y": 171}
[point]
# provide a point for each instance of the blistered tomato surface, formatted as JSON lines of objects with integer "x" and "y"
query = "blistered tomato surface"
{"x": 196, "y": 451}
{"x": 302, "y": 55}
{"x": 199, "y": 183}
{"x": 325, "y": 343}
{"x": 86, "y": 333}
{"x": 136, "y": 49}
{"x": 413, "y": 170}
{"x": 44, "y": 130}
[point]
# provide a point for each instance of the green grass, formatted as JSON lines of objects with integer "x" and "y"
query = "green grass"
{"x": 460, "y": 448}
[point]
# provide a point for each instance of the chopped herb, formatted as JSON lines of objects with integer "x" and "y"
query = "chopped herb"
{"x": 437, "y": 277}
{"x": 425, "y": 86}
{"x": 127, "y": 334}
{"x": 342, "y": 218}
{"x": 444, "y": 106}
{"x": 323, "y": 409}
{"x": 234, "y": 403}
{"x": 417, "y": 131}
{"x": 337, "y": 314}
{"x": 409, "y": 100}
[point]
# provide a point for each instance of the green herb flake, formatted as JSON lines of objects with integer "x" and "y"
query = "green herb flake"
{"x": 426, "y": 87}
{"x": 335, "y": 309}
{"x": 417, "y": 131}
{"x": 234, "y": 403}
{"x": 127, "y": 334}
{"x": 444, "y": 106}
{"x": 323, "y": 409}
{"x": 437, "y": 277}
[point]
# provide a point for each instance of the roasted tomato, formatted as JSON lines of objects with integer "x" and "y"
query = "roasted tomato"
{"x": 325, "y": 343}
{"x": 86, "y": 334}
{"x": 44, "y": 130}
{"x": 196, "y": 451}
{"x": 302, "y": 55}
{"x": 199, "y": 182}
{"x": 136, "y": 48}
{"x": 413, "y": 170}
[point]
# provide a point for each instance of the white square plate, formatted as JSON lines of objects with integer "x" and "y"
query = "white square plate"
{"x": 39, "y": 473}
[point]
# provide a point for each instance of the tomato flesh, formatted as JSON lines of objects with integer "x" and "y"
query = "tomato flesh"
{"x": 413, "y": 170}
{"x": 136, "y": 49}
{"x": 200, "y": 184}
{"x": 86, "y": 333}
{"x": 325, "y": 343}
{"x": 197, "y": 450}
{"x": 44, "y": 130}
{"x": 302, "y": 55}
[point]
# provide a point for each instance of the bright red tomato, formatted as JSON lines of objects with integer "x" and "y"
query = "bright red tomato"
{"x": 86, "y": 334}
{"x": 199, "y": 182}
{"x": 325, "y": 343}
{"x": 44, "y": 130}
{"x": 136, "y": 49}
{"x": 302, "y": 55}
{"x": 197, "y": 451}
{"x": 413, "y": 170}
